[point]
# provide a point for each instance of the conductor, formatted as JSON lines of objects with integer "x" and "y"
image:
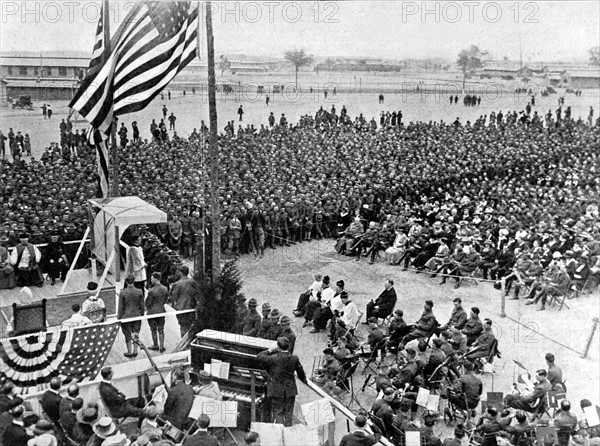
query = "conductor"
{"x": 281, "y": 389}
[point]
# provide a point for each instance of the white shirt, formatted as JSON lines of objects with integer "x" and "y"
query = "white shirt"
{"x": 337, "y": 304}
{"x": 351, "y": 315}
{"x": 76, "y": 320}
{"x": 24, "y": 263}
{"x": 326, "y": 295}
{"x": 315, "y": 288}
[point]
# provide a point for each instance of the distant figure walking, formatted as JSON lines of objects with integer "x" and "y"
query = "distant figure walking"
{"x": 381, "y": 98}
{"x": 49, "y": 111}
{"x": 169, "y": 94}
{"x": 44, "y": 111}
{"x": 172, "y": 120}
{"x": 164, "y": 110}
{"x": 240, "y": 112}
{"x": 267, "y": 100}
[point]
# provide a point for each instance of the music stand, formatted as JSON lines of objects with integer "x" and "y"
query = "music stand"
{"x": 30, "y": 318}
{"x": 349, "y": 375}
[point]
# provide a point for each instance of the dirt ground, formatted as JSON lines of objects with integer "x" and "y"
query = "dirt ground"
{"x": 190, "y": 110}
{"x": 525, "y": 335}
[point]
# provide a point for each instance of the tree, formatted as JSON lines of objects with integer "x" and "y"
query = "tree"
{"x": 471, "y": 60}
{"x": 595, "y": 55}
{"x": 298, "y": 58}
{"x": 224, "y": 64}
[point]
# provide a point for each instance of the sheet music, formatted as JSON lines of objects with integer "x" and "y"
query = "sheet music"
{"x": 318, "y": 413}
{"x": 300, "y": 435}
{"x": 433, "y": 402}
{"x": 221, "y": 413}
{"x": 215, "y": 367}
{"x": 413, "y": 438}
{"x": 270, "y": 434}
{"x": 591, "y": 416}
{"x": 422, "y": 397}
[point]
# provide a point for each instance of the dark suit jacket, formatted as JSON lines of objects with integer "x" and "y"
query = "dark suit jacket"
{"x": 68, "y": 422}
{"x": 386, "y": 301}
{"x": 281, "y": 367}
{"x": 114, "y": 400}
{"x": 50, "y": 404}
{"x": 15, "y": 435}
{"x": 201, "y": 438}
{"x": 179, "y": 403}
{"x": 65, "y": 406}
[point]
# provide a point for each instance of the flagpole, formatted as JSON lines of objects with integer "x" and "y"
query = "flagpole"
{"x": 200, "y": 248}
{"x": 113, "y": 129}
{"x": 213, "y": 152}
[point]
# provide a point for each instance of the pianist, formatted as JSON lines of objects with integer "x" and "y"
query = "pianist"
{"x": 179, "y": 401}
{"x": 281, "y": 389}
{"x": 207, "y": 387}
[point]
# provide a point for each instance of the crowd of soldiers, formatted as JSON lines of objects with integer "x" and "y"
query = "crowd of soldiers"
{"x": 506, "y": 175}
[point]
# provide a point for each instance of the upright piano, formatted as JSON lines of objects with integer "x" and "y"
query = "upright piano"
{"x": 245, "y": 372}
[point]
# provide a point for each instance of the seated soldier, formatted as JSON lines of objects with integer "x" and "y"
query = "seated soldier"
{"x": 397, "y": 330}
{"x": 466, "y": 392}
{"x": 329, "y": 369}
{"x": 481, "y": 348}
{"x": 376, "y": 336}
{"x": 424, "y": 326}
{"x": 408, "y": 372}
{"x": 534, "y": 401}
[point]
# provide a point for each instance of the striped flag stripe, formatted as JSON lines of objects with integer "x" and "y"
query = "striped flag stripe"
{"x": 142, "y": 63}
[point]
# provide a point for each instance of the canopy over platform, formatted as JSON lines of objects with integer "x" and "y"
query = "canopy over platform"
{"x": 111, "y": 217}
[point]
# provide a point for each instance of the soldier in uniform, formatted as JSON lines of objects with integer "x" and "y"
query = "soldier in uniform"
{"x": 273, "y": 330}
{"x": 286, "y": 331}
{"x": 252, "y": 322}
{"x": 265, "y": 322}
{"x": 424, "y": 325}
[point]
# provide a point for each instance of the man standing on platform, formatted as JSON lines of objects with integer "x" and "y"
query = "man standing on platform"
{"x": 155, "y": 304}
{"x": 26, "y": 258}
{"x": 183, "y": 295}
{"x": 131, "y": 304}
{"x": 281, "y": 389}
{"x": 136, "y": 265}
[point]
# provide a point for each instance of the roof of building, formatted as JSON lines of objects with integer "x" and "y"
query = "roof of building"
{"x": 45, "y": 58}
{"x": 594, "y": 74}
{"x": 49, "y": 83}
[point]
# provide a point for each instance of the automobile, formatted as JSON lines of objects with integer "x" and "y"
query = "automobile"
{"x": 23, "y": 102}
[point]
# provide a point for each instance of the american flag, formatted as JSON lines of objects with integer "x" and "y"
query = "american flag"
{"x": 102, "y": 41}
{"x": 100, "y": 55}
{"x": 32, "y": 360}
{"x": 154, "y": 43}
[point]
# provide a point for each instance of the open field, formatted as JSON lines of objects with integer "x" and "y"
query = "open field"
{"x": 432, "y": 105}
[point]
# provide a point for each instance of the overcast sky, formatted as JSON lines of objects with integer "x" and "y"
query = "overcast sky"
{"x": 549, "y": 31}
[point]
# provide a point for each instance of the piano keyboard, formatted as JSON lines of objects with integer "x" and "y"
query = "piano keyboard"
{"x": 238, "y": 395}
